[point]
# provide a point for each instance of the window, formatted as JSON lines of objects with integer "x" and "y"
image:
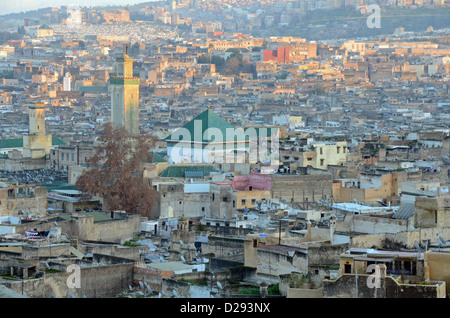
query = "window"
{"x": 225, "y": 199}
{"x": 243, "y": 202}
{"x": 73, "y": 157}
{"x": 255, "y": 243}
{"x": 338, "y": 149}
{"x": 203, "y": 209}
{"x": 321, "y": 150}
{"x": 213, "y": 196}
{"x": 253, "y": 201}
{"x": 322, "y": 161}
{"x": 234, "y": 204}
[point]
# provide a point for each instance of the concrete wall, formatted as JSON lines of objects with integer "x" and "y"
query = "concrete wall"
{"x": 219, "y": 208}
{"x": 432, "y": 212}
{"x": 189, "y": 205}
{"x": 273, "y": 263}
{"x": 436, "y": 268}
{"x": 110, "y": 231}
{"x": 304, "y": 293}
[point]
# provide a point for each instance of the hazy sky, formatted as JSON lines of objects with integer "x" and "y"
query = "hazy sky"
{"x": 12, "y": 6}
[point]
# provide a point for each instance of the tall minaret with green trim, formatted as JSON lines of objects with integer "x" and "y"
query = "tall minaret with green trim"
{"x": 125, "y": 96}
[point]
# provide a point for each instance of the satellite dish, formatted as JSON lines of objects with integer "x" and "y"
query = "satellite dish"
{"x": 183, "y": 259}
{"x": 181, "y": 243}
{"x": 131, "y": 288}
{"x": 51, "y": 294}
{"x": 416, "y": 245}
{"x": 219, "y": 285}
{"x": 140, "y": 284}
{"x": 175, "y": 293}
{"x": 148, "y": 288}
{"x": 69, "y": 294}
{"x": 441, "y": 241}
{"x": 163, "y": 293}
{"x": 48, "y": 266}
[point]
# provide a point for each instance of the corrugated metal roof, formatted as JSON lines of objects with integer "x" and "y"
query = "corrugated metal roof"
{"x": 405, "y": 211}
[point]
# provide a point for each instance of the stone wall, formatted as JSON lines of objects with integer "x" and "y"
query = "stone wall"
{"x": 302, "y": 187}
{"x": 345, "y": 287}
{"x": 36, "y": 203}
{"x": 108, "y": 279}
{"x": 325, "y": 254}
{"x": 222, "y": 246}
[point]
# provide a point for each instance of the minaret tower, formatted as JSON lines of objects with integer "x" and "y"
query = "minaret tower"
{"x": 36, "y": 144}
{"x": 125, "y": 96}
{"x": 36, "y": 114}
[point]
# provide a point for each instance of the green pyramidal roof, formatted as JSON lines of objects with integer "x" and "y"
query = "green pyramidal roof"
{"x": 216, "y": 128}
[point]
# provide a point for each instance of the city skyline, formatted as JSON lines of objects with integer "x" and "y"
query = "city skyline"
{"x": 29, "y": 5}
{"x": 253, "y": 152}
